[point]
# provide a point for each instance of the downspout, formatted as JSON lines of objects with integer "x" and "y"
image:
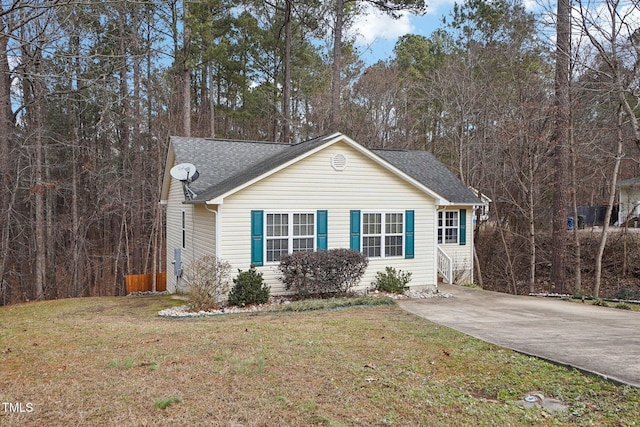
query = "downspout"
{"x": 217, "y": 219}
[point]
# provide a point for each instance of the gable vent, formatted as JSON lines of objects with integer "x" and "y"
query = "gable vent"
{"x": 339, "y": 162}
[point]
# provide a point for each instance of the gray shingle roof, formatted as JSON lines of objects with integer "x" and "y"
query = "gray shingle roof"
{"x": 284, "y": 154}
{"x": 219, "y": 159}
{"x": 629, "y": 182}
{"x": 224, "y": 165}
{"x": 429, "y": 171}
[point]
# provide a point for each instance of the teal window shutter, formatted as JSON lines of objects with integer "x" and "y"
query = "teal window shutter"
{"x": 408, "y": 234}
{"x": 355, "y": 231}
{"x": 463, "y": 226}
{"x": 321, "y": 230}
{"x": 257, "y": 245}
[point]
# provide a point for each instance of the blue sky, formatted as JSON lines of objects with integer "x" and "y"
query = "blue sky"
{"x": 377, "y": 33}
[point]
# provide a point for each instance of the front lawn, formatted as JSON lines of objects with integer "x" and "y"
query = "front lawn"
{"x": 113, "y": 361}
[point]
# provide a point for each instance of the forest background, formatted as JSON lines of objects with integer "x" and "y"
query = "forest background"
{"x": 91, "y": 91}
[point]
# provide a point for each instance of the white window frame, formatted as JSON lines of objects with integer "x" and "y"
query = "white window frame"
{"x": 289, "y": 237}
{"x": 443, "y": 227}
{"x": 383, "y": 234}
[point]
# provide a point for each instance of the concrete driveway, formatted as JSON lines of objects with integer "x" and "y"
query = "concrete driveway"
{"x": 600, "y": 340}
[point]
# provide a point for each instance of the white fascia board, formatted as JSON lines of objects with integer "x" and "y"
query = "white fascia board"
{"x": 166, "y": 179}
{"x": 216, "y": 201}
{"x": 330, "y": 140}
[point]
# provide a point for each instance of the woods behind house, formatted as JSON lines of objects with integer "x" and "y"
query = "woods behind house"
{"x": 91, "y": 91}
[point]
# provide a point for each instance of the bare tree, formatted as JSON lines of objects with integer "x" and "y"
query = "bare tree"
{"x": 393, "y": 8}
{"x": 560, "y": 141}
{"x": 620, "y": 59}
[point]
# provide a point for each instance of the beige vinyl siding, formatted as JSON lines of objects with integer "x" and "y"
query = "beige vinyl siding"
{"x": 174, "y": 228}
{"x": 462, "y": 255}
{"x": 629, "y": 197}
{"x": 363, "y": 185}
{"x": 200, "y": 235}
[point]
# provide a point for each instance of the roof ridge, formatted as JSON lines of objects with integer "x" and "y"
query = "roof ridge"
{"x": 403, "y": 150}
{"x": 244, "y": 141}
{"x": 250, "y": 141}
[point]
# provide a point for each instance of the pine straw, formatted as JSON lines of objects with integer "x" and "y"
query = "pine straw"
{"x": 109, "y": 361}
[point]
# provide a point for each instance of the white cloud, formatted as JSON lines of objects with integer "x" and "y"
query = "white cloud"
{"x": 374, "y": 25}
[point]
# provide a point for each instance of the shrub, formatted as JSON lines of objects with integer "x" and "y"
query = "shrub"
{"x": 323, "y": 272}
{"x": 392, "y": 281}
{"x": 208, "y": 279}
{"x": 628, "y": 294}
{"x": 623, "y": 306}
{"x": 249, "y": 288}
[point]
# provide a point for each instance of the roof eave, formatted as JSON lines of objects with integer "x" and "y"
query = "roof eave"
{"x": 166, "y": 179}
{"x": 219, "y": 199}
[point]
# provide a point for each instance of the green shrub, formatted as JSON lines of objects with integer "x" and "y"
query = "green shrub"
{"x": 623, "y": 306}
{"x": 600, "y": 302}
{"x": 334, "y": 271}
{"x": 392, "y": 281}
{"x": 249, "y": 288}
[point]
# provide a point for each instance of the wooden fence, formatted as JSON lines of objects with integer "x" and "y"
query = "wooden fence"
{"x": 144, "y": 282}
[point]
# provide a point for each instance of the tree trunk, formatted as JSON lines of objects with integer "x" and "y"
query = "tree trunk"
{"x": 286, "y": 86}
{"x": 607, "y": 215}
{"x": 532, "y": 243}
{"x": 39, "y": 191}
{"x": 476, "y": 235}
{"x": 560, "y": 140}
{"x": 577, "y": 277}
{"x": 212, "y": 104}
{"x": 186, "y": 77}
{"x": 6, "y": 173}
{"x": 507, "y": 252}
{"x": 334, "y": 126}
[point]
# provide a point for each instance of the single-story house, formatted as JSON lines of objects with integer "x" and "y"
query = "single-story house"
{"x": 629, "y": 200}
{"x": 254, "y": 201}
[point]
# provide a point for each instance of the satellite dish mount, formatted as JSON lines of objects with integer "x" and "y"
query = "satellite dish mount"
{"x": 185, "y": 173}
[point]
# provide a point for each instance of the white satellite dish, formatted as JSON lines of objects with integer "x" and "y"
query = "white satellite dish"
{"x": 185, "y": 172}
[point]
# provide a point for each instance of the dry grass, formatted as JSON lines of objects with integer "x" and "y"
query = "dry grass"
{"x": 112, "y": 361}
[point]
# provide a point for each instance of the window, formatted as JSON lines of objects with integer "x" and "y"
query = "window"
{"x": 382, "y": 230}
{"x": 448, "y": 227}
{"x": 277, "y": 236}
{"x": 371, "y": 234}
{"x": 303, "y": 232}
{"x": 289, "y": 232}
{"x": 393, "y": 234}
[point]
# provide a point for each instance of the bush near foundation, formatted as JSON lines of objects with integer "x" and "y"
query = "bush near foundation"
{"x": 208, "y": 279}
{"x": 249, "y": 288}
{"x": 392, "y": 280}
{"x": 335, "y": 271}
